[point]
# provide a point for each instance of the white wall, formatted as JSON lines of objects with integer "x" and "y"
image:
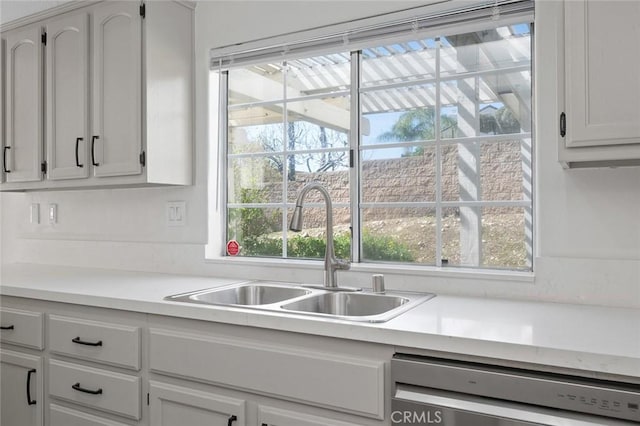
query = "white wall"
{"x": 587, "y": 221}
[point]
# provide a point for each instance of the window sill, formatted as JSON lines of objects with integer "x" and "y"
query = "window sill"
{"x": 378, "y": 268}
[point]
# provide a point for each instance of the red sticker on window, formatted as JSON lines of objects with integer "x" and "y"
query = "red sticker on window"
{"x": 233, "y": 248}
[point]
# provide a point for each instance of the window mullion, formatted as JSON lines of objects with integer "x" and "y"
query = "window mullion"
{"x": 438, "y": 160}
{"x": 354, "y": 145}
{"x": 285, "y": 160}
{"x": 478, "y": 181}
{"x": 223, "y": 161}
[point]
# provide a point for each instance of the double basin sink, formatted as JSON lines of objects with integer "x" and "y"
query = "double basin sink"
{"x": 275, "y": 297}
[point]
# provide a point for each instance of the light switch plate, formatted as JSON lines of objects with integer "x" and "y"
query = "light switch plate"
{"x": 34, "y": 213}
{"x": 176, "y": 213}
{"x": 53, "y": 214}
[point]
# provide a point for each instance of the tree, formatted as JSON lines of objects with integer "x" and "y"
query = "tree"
{"x": 501, "y": 122}
{"x": 414, "y": 125}
{"x": 302, "y": 135}
{"x": 418, "y": 125}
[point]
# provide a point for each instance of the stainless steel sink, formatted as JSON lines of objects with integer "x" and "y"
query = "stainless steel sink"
{"x": 287, "y": 299}
{"x": 356, "y": 306}
{"x": 244, "y": 294}
{"x": 347, "y": 304}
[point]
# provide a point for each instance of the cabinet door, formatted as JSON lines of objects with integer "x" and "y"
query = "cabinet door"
{"x": 602, "y": 72}
{"x": 178, "y": 406}
{"x": 269, "y": 416}
{"x": 63, "y": 416}
{"x": 116, "y": 141}
{"x": 21, "y": 394}
{"x": 23, "y": 146}
{"x": 67, "y": 73}
{"x": 3, "y": 74}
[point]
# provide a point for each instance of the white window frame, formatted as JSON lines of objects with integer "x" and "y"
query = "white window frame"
{"x": 215, "y": 252}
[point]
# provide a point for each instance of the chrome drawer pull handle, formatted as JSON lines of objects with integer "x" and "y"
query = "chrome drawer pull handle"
{"x": 9, "y": 327}
{"x": 82, "y": 342}
{"x": 81, "y": 389}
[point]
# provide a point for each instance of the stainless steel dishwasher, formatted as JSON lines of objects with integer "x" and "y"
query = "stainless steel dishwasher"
{"x": 432, "y": 391}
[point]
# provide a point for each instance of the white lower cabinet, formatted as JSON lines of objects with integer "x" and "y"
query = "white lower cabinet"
{"x": 172, "y": 405}
{"x": 92, "y": 383}
{"x": 63, "y": 416}
{"x": 241, "y": 375}
{"x": 21, "y": 328}
{"x": 21, "y": 395}
{"x": 96, "y": 388}
{"x": 21, "y": 374}
{"x": 271, "y": 416}
{"x": 352, "y": 384}
{"x": 91, "y": 366}
{"x": 98, "y": 341}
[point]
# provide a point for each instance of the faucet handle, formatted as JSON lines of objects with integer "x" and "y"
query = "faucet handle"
{"x": 343, "y": 264}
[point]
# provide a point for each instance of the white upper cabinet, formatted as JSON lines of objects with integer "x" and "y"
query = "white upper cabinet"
{"x": 67, "y": 72}
{"x": 602, "y": 82}
{"x": 22, "y": 151}
{"x": 112, "y": 84}
{"x": 3, "y": 73}
{"x": 116, "y": 142}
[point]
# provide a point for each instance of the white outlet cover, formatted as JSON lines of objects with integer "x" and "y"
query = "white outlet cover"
{"x": 176, "y": 213}
{"x": 34, "y": 213}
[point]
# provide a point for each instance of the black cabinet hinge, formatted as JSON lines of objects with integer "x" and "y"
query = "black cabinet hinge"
{"x": 43, "y": 37}
{"x": 43, "y": 167}
{"x": 563, "y": 124}
{"x": 143, "y": 10}
{"x": 148, "y": 398}
{"x": 143, "y": 158}
{"x": 351, "y": 154}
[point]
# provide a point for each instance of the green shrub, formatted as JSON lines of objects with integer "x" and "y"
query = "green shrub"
{"x": 375, "y": 247}
{"x": 247, "y": 224}
{"x": 384, "y": 248}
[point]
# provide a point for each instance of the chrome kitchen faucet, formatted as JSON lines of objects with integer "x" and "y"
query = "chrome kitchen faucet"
{"x": 331, "y": 263}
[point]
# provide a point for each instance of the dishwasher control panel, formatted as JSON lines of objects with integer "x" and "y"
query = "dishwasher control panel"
{"x": 593, "y": 400}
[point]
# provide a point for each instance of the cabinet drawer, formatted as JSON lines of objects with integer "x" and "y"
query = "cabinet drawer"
{"x": 96, "y": 341}
{"x": 96, "y": 388}
{"x": 22, "y": 328}
{"x": 63, "y": 416}
{"x": 325, "y": 379}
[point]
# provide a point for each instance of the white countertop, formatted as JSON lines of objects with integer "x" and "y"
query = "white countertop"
{"x": 589, "y": 338}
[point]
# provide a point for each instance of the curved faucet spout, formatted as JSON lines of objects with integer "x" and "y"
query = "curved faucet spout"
{"x": 331, "y": 263}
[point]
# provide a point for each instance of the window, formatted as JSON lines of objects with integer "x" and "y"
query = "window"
{"x": 424, "y": 143}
